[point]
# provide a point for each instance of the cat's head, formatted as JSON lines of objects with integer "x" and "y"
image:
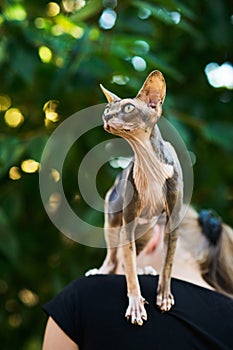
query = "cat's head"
{"x": 130, "y": 116}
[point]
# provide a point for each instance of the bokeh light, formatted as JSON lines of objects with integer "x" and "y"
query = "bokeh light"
{"x": 120, "y": 162}
{"x": 73, "y": 5}
{"x": 28, "y": 298}
{"x": 220, "y": 76}
{"x": 30, "y": 166}
{"x": 50, "y": 111}
{"x": 175, "y": 16}
{"x": 57, "y": 30}
{"x": 144, "y": 13}
{"x": 13, "y": 117}
{"x": 14, "y": 173}
{"x": 108, "y": 19}
{"x": 53, "y": 9}
{"x": 141, "y": 47}
{"x": 55, "y": 200}
{"x": 15, "y": 12}
{"x": 45, "y": 54}
{"x": 139, "y": 63}
{"x": 55, "y": 175}
{"x": 15, "y": 320}
{"x": 120, "y": 79}
{"x": 39, "y": 23}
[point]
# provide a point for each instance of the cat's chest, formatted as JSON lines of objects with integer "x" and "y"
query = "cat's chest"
{"x": 150, "y": 193}
{"x": 150, "y": 182}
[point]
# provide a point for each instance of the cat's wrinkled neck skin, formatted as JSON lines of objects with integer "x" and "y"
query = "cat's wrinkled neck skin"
{"x": 151, "y": 168}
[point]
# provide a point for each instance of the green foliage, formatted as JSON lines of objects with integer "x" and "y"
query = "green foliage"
{"x": 63, "y": 56}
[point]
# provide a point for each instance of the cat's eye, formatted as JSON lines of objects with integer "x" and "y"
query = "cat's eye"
{"x": 129, "y": 108}
{"x": 107, "y": 110}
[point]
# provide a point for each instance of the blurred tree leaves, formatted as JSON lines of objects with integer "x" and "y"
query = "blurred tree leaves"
{"x": 9, "y": 244}
{"x": 62, "y": 51}
{"x": 221, "y": 134}
{"x": 11, "y": 151}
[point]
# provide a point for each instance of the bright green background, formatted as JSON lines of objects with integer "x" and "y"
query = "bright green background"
{"x": 34, "y": 256}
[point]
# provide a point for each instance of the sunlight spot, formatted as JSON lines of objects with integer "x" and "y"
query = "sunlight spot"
{"x": 28, "y": 297}
{"x": 54, "y": 202}
{"x": 50, "y": 110}
{"x": 52, "y": 116}
{"x": 15, "y": 320}
{"x": 13, "y": 117}
{"x": 45, "y": 54}
{"x": 76, "y": 32}
{"x": 63, "y": 25}
{"x": 14, "y": 173}
{"x": 141, "y": 46}
{"x": 5, "y": 102}
{"x": 57, "y": 30}
{"x": 139, "y": 63}
{"x": 73, "y": 5}
{"x": 15, "y": 13}
{"x": 30, "y": 166}
{"x": 59, "y": 62}
{"x": 55, "y": 175}
{"x": 120, "y": 79}
{"x": 53, "y": 9}
{"x": 144, "y": 13}
{"x": 220, "y": 76}
{"x": 120, "y": 162}
{"x": 39, "y": 23}
{"x": 108, "y": 19}
{"x": 175, "y": 16}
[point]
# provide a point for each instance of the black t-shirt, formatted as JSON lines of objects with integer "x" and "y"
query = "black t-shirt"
{"x": 91, "y": 312}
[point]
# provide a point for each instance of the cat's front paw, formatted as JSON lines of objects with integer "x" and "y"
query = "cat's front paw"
{"x": 136, "y": 311}
{"x": 105, "y": 269}
{"x": 92, "y": 272}
{"x": 146, "y": 270}
{"x": 164, "y": 300}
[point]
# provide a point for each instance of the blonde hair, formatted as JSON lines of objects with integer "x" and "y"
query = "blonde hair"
{"x": 215, "y": 260}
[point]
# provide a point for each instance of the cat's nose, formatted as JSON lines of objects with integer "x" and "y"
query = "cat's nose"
{"x": 108, "y": 117}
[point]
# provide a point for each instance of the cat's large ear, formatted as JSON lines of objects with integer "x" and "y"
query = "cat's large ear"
{"x": 109, "y": 95}
{"x": 153, "y": 90}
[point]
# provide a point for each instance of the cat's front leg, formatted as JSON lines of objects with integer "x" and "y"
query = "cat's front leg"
{"x": 165, "y": 299}
{"x": 135, "y": 312}
{"x": 109, "y": 265}
{"x": 112, "y": 240}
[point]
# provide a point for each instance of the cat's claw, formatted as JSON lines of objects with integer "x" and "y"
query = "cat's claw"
{"x": 165, "y": 301}
{"x": 136, "y": 311}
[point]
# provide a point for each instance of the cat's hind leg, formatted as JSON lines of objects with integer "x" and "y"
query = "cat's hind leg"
{"x": 112, "y": 227}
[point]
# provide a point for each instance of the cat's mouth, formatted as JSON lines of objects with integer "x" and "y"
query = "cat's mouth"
{"x": 118, "y": 128}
